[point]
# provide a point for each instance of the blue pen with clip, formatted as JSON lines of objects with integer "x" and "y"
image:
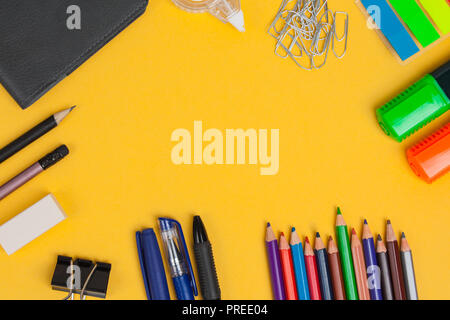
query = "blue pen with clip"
{"x": 178, "y": 259}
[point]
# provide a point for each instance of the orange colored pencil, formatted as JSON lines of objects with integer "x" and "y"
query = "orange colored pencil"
{"x": 360, "y": 267}
{"x": 288, "y": 269}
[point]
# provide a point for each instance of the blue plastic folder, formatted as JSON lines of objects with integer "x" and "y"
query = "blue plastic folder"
{"x": 392, "y": 28}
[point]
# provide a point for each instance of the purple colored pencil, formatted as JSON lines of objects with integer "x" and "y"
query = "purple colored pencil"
{"x": 31, "y": 172}
{"x": 373, "y": 270}
{"x": 276, "y": 273}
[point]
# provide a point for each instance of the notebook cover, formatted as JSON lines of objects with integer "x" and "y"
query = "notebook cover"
{"x": 38, "y": 49}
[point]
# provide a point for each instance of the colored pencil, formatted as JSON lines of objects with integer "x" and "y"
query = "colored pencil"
{"x": 35, "y": 169}
{"x": 274, "y": 264}
{"x": 398, "y": 283}
{"x": 311, "y": 271}
{"x": 373, "y": 270}
{"x": 345, "y": 253}
{"x": 383, "y": 262}
{"x": 288, "y": 269}
{"x": 33, "y": 134}
{"x": 360, "y": 267}
{"x": 408, "y": 269}
{"x": 336, "y": 271}
{"x": 299, "y": 266}
{"x": 323, "y": 268}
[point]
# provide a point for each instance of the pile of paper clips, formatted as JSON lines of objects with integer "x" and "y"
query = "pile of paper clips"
{"x": 305, "y": 30}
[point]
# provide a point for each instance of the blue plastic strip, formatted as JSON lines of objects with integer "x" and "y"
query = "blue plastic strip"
{"x": 391, "y": 27}
{"x": 141, "y": 261}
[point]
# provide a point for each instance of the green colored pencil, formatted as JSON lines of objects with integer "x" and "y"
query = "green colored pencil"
{"x": 345, "y": 253}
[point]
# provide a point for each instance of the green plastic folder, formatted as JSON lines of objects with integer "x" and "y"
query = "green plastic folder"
{"x": 439, "y": 11}
{"x": 416, "y": 20}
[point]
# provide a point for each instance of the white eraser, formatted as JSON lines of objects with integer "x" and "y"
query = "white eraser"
{"x": 30, "y": 224}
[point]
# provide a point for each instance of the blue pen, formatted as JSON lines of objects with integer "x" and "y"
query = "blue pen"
{"x": 178, "y": 259}
{"x": 152, "y": 266}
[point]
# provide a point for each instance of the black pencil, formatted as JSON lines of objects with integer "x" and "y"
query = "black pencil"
{"x": 33, "y": 134}
{"x": 383, "y": 262}
{"x": 207, "y": 275}
{"x": 323, "y": 268}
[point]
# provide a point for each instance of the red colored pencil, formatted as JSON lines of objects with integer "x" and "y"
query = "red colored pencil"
{"x": 288, "y": 269}
{"x": 311, "y": 272}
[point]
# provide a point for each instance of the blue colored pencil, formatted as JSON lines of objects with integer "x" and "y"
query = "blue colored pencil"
{"x": 299, "y": 266}
{"x": 373, "y": 270}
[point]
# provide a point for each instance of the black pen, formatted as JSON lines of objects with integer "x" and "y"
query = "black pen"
{"x": 207, "y": 275}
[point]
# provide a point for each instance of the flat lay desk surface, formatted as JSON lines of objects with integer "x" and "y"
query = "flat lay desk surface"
{"x": 170, "y": 68}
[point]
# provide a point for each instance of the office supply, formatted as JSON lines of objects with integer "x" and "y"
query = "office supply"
{"x": 299, "y": 266}
{"x": 336, "y": 270}
{"x": 416, "y": 20}
{"x": 439, "y": 12}
{"x": 39, "y": 49}
{"x": 207, "y": 274}
{"x": 345, "y": 253}
{"x": 35, "y": 169}
{"x": 373, "y": 270}
{"x": 288, "y": 269}
{"x": 227, "y": 11}
{"x": 385, "y": 270}
{"x": 152, "y": 266}
{"x": 82, "y": 277}
{"x": 360, "y": 267}
{"x": 323, "y": 269}
{"x": 312, "y": 273}
{"x": 177, "y": 256}
{"x": 33, "y": 134}
{"x": 276, "y": 273}
{"x": 30, "y": 224}
{"x": 398, "y": 282}
{"x": 408, "y": 269}
{"x": 305, "y": 31}
{"x": 430, "y": 158}
{"x": 391, "y": 28}
{"x": 415, "y": 107}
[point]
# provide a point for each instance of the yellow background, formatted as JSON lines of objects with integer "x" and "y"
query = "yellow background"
{"x": 170, "y": 68}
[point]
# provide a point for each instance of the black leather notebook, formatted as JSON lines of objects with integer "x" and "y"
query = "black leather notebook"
{"x": 43, "y": 41}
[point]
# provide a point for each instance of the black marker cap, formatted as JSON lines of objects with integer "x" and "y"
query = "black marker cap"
{"x": 199, "y": 231}
{"x": 442, "y": 76}
{"x": 54, "y": 157}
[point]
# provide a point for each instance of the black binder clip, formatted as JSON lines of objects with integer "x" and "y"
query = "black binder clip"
{"x": 82, "y": 277}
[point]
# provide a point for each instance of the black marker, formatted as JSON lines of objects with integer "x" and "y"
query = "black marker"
{"x": 209, "y": 284}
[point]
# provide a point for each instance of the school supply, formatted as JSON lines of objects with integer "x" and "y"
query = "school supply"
{"x": 298, "y": 261}
{"x": 33, "y": 134}
{"x": 398, "y": 282}
{"x": 416, "y": 20}
{"x": 152, "y": 266}
{"x": 336, "y": 270}
{"x": 408, "y": 269}
{"x": 311, "y": 271}
{"x": 360, "y": 267}
{"x": 204, "y": 257}
{"x": 227, "y": 11}
{"x": 288, "y": 269}
{"x": 276, "y": 273}
{"x": 345, "y": 253}
{"x": 385, "y": 270}
{"x": 178, "y": 259}
{"x": 82, "y": 277}
{"x": 418, "y": 105}
{"x": 439, "y": 11}
{"x": 30, "y": 224}
{"x": 323, "y": 269}
{"x": 370, "y": 256}
{"x": 430, "y": 158}
{"x": 306, "y": 30}
{"x": 35, "y": 169}
{"x": 42, "y": 43}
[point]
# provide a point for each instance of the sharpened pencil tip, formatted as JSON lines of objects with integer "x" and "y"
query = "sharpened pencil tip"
{"x": 72, "y": 108}
{"x": 339, "y": 210}
{"x": 330, "y": 238}
{"x": 353, "y": 231}
{"x": 268, "y": 224}
{"x": 282, "y": 234}
{"x": 317, "y": 235}
{"x": 388, "y": 222}
{"x": 293, "y": 229}
{"x": 306, "y": 240}
{"x": 379, "y": 237}
{"x": 403, "y": 235}
{"x": 365, "y": 221}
